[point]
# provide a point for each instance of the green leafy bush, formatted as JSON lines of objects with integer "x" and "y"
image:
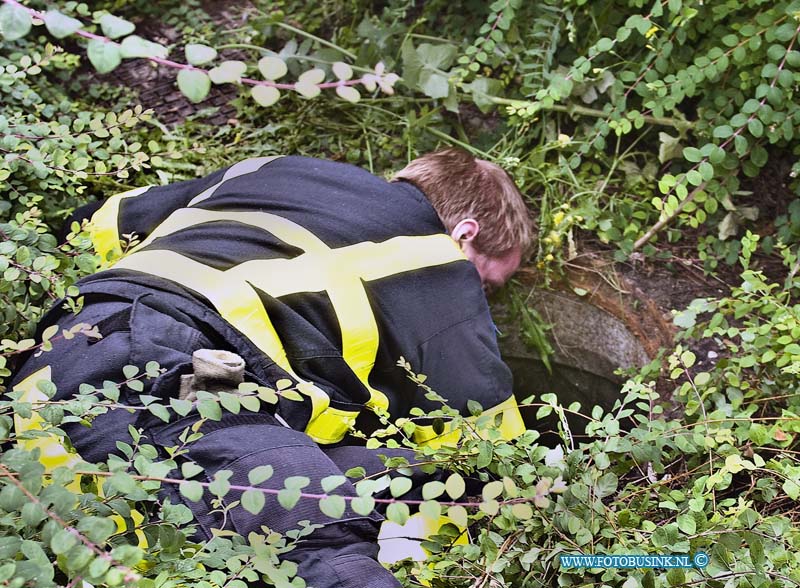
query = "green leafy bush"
{"x": 623, "y": 118}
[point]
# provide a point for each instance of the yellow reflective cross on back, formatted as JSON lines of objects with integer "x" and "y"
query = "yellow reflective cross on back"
{"x": 340, "y": 272}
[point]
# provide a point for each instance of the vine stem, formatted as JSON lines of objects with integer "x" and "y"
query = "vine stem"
{"x": 239, "y": 487}
{"x": 185, "y": 66}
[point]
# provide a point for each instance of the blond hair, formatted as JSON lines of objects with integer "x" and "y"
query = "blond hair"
{"x": 460, "y": 186}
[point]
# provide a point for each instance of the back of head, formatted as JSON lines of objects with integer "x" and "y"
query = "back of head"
{"x": 460, "y": 186}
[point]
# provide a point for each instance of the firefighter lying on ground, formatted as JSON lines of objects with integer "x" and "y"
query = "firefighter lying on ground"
{"x": 310, "y": 270}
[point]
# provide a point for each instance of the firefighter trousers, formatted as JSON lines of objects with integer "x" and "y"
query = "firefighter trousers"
{"x": 341, "y": 553}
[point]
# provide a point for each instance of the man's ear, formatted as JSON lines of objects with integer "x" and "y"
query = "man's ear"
{"x": 465, "y": 230}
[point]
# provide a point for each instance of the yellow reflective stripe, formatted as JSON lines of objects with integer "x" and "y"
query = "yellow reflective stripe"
{"x": 234, "y": 299}
{"x": 425, "y": 435}
{"x": 511, "y": 426}
{"x": 331, "y": 425}
{"x": 368, "y": 261}
{"x": 53, "y": 453}
{"x": 104, "y": 225}
{"x": 373, "y": 261}
{"x": 284, "y": 229}
{"x": 359, "y": 333}
{"x": 238, "y": 169}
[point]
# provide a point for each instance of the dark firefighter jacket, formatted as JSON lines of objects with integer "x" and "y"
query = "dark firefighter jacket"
{"x": 332, "y": 274}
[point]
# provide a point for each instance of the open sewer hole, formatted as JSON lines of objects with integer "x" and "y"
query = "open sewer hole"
{"x": 590, "y": 344}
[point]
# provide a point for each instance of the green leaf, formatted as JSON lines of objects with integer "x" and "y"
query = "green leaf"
{"x": 230, "y": 402}
{"x": 458, "y": 514}
{"x": 63, "y": 541}
{"x": 792, "y": 348}
{"x": 431, "y": 510}
{"x": 307, "y": 89}
{"x": 433, "y": 489}
{"x": 33, "y": 514}
{"x": 522, "y": 510}
{"x": 348, "y": 93}
{"x": 159, "y": 411}
{"x": 260, "y": 474}
{"x": 756, "y": 127}
{"x": 412, "y": 64}
{"x": 191, "y": 490}
{"x": 694, "y": 178}
{"x": 702, "y": 379}
{"x": 604, "y": 44}
{"x": 485, "y": 453}
{"x": 152, "y": 369}
{"x": 333, "y": 506}
{"x": 190, "y": 469}
{"x": 363, "y": 505}
{"x": 288, "y": 497}
{"x": 114, "y": 27}
{"x": 15, "y": 21}
{"x": 136, "y": 385}
{"x": 723, "y": 131}
{"x": 686, "y": 523}
{"x": 606, "y": 485}
{"x": 265, "y": 96}
{"x": 135, "y": 46}
{"x": 312, "y": 77}
{"x": 181, "y": 407}
{"x": 669, "y": 147}
{"x": 434, "y": 84}
{"x": 399, "y": 486}
{"x": 250, "y": 403}
{"x": 272, "y": 68}
{"x": 296, "y": 482}
{"x": 253, "y": 501}
{"x": 228, "y": 72}
{"x": 437, "y": 56}
{"x": 194, "y": 84}
{"x": 792, "y": 489}
{"x": 292, "y": 395}
{"x": 197, "y": 54}
{"x": 397, "y": 512}
{"x": 492, "y": 490}
{"x": 455, "y": 486}
{"x": 130, "y": 371}
{"x": 342, "y": 71}
{"x": 330, "y": 483}
{"x": 692, "y": 154}
{"x": 60, "y": 25}
{"x": 706, "y": 170}
{"x": 220, "y": 486}
{"x": 209, "y": 409}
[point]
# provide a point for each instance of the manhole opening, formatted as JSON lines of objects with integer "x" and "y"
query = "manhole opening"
{"x": 569, "y": 384}
{"x": 593, "y": 337}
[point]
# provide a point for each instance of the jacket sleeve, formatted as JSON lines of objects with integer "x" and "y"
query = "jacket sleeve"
{"x": 463, "y": 363}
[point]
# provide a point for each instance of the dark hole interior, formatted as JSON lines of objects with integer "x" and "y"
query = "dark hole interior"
{"x": 569, "y": 384}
